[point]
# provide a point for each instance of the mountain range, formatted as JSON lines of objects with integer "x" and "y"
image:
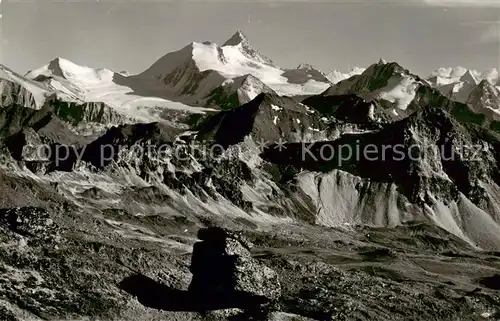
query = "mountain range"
{"x": 133, "y": 165}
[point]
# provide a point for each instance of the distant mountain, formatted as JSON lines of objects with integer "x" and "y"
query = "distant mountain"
{"x": 459, "y": 82}
{"x": 485, "y": 99}
{"x": 385, "y": 82}
{"x": 266, "y": 118}
{"x": 196, "y": 76}
{"x": 336, "y": 76}
{"x": 240, "y": 41}
{"x": 199, "y": 68}
{"x": 139, "y": 101}
{"x": 477, "y": 90}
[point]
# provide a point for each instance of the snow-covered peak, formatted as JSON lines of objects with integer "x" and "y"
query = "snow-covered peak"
{"x": 67, "y": 69}
{"x": 449, "y": 72}
{"x": 384, "y": 69}
{"x": 441, "y": 72}
{"x": 491, "y": 76}
{"x": 62, "y": 67}
{"x": 357, "y": 70}
{"x": 304, "y": 66}
{"x": 459, "y": 71}
{"x": 182, "y": 69}
{"x": 56, "y": 67}
{"x": 240, "y": 42}
{"x": 456, "y": 73}
{"x": 336, "y": 76}
{"x": 458, "y": 83}
{"x": 236, "y": 39}
{"x": 236, "y": 58}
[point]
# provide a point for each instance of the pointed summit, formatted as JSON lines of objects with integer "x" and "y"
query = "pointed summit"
{"x": 236, "y": 39}
{"x": 305, "y": 66}
{"x": 239, "y": 41}
{"x": 58, "y": 65}
{"x": 484, "y": 84}
{"x": 458, "y": 72}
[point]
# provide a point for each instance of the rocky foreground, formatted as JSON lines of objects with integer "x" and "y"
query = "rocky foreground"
{"x": 64, "y": 266}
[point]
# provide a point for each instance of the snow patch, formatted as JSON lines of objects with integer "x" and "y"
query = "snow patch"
{"x": 401, "y": 90}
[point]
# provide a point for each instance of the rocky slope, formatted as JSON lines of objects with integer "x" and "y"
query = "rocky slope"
{"x": 16, "y": 89}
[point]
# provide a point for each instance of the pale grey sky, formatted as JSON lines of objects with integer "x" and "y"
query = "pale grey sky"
{"x": 130, "y": 35}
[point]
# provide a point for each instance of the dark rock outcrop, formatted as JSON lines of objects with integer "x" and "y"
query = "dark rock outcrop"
{"x": 30, "y": 222}
{"x": 268, "y": 118}
{"x": 409, "y": 153}
{"x": 13, "y": 93}
{"x": 222, "y": 264}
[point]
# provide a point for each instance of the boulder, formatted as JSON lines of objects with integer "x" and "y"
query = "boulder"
{"x": 250, "y": 275}
{"x": 222, "y": 263}
{"x": 34, "y": 223}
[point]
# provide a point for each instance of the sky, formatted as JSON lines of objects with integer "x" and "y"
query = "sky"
{"x": 130, "y": 35}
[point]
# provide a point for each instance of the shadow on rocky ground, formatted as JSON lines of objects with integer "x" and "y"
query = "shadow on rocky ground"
{"x": 161, "y": 297}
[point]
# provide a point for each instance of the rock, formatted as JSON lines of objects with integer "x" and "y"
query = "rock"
{"x": 33, "y": 148}
{"x": 14, "y": 93}
{"x": 223, "y": 314}
{"x": 30, "y": 222}
{"x": 282, "y": 316}
{"x": 228, "y": 253}
{"x": 250, "y": 275}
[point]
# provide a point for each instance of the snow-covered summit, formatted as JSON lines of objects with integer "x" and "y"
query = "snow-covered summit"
{"x": 453, "y": 74}
{"x": 69, "y": 70}
{"x": 241, "y": 43}
{"x": 389, "y": 82}
{"x": 81, "y": 84}
{"x": 382, "y": 61}
{"x": 458, "y": 83}
{"x": 336, "y": 76}
{"x": 236, "y": 39}
{"x": 449, "y": 72}
{"x": 205, "y": 66}
{"x": 305, "y": 66}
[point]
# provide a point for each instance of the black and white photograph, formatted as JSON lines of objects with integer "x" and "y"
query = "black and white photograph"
{"x": 264, "y": 160}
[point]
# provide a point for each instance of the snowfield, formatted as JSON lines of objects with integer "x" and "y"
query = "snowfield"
{"x": 401, "y": 90}
{"x": 83, "y": 84}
